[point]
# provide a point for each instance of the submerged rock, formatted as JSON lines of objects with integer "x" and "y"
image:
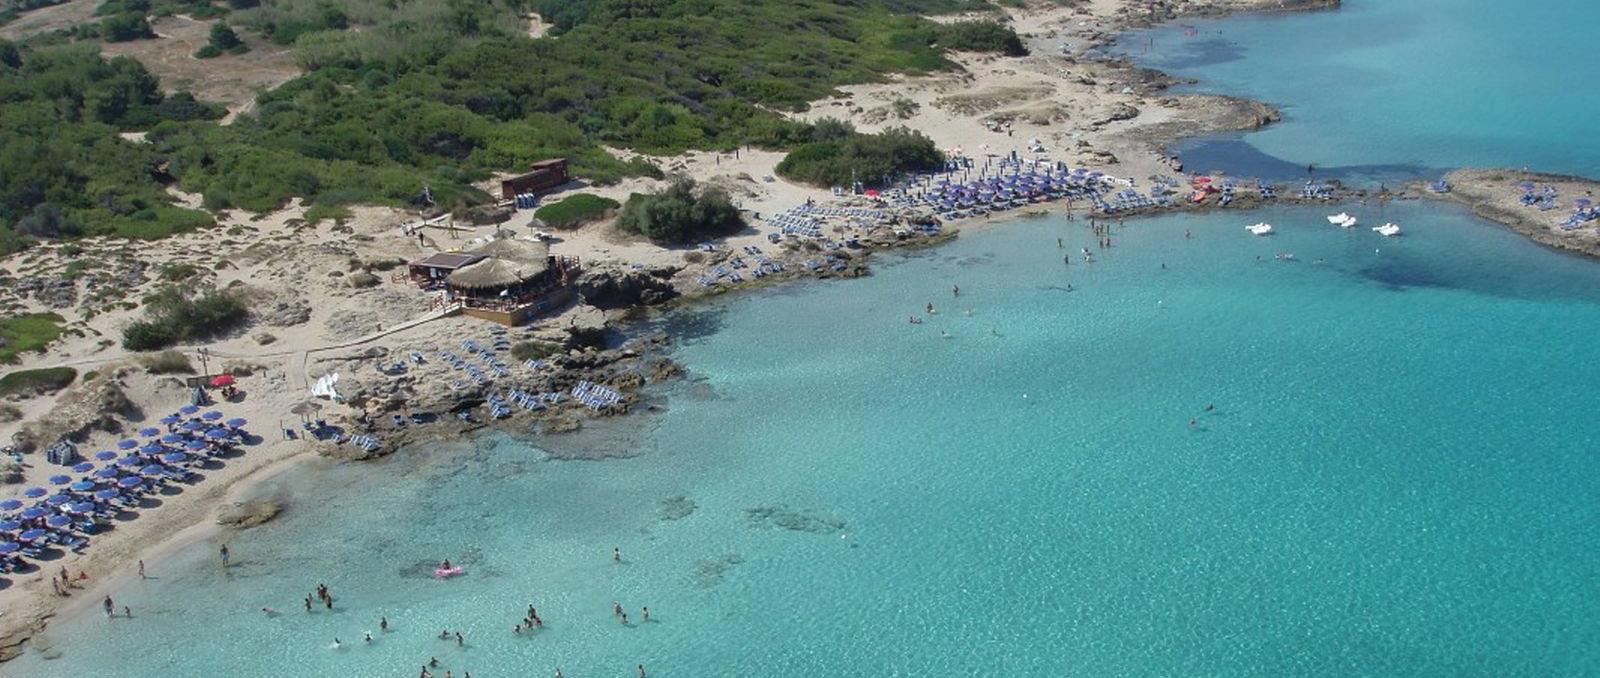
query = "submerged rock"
{"x": 677, "y": 508}
{"x": 778, "y": 515}
{"x": 709, "y": 573}
{"x": 248, "y": 513}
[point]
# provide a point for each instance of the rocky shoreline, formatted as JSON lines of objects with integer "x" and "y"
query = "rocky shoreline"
{"x": 1495, "y": 194}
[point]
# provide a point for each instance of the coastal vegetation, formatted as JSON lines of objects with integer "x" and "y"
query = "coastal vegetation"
{"x": 533, "y": 350}
{"x": 174, "y": 315}
{"x": 167, "y": 362}
{"x": 27, "y": 332}
{"x": 575, "y": 210}
{"x": 438, "y": 94}
{"x": 43, "y": 380}
{"x": 680, "y": 213}
{"x": 838, "y": 155}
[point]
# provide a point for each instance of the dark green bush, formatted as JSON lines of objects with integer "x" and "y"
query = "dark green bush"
{"x": 680, "y": 213}
{"x": 871, "y": 159}
{"x": 207, "y": 52}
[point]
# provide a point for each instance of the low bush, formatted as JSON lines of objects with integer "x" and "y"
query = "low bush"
{"x": 37, "y": 381}
{"x": 575, "y": 210}
{"x": 28, "y": 332}
{"x": 167, "y": 362}
{"x": 172, "y": 316}
{"x": 525, "y": 350}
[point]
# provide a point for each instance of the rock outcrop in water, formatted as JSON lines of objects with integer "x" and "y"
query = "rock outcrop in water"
{"x": 780, "y": 516}
{"x": 611, "y": 288}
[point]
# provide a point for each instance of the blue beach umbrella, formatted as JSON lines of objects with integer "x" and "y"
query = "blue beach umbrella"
{"x": 10, "y": 504}
{"x": 58, "y": 520}
{"x": 83, "y": 467}
{"x": 81, "y": 507}
{"x": 188, "y": 409}
{"x": 171, "y": 419}
{"x": 149, "y": 431}
{"x": 130, "y": 461}
{"x": 236, "y": 422}
{"x": 174, "y": 457}
{"x": 192, "y": 425}
{"x": 127, "y": 443}
{"x": 10, "y": 547}
{"x": 212, "y": 415}
{"x": 106, "y": 494}
{"x": 60, "y": 479}
{"x": 32, "y": 512}
{"x": 58, "y": 499}
{"x": 152, "y": 448}
{"x": 81, "y": 486}
{"x": 196, "y": 445}
{"x": 153, "y": 469}
{"x": 128, "y": 482}
{"x": 105, "y": 455}
{"x": 9, "y": 525}
{"x": 172, "y": 438}
{"x": 217, "y": 433}
{"x": 30, "y": 535}
{"x": 107, "y": 472}
{"x": 35, "y": 492}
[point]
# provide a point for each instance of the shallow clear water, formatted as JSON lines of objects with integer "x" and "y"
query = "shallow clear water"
{"x": 1398, "y": 479}
{"x": 1382, "y": 89}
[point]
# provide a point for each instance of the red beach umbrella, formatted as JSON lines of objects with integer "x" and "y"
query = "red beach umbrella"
{"x": 222, "y": 380}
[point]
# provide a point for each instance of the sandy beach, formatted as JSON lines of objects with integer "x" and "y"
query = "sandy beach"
{"x": 322, "y": 294}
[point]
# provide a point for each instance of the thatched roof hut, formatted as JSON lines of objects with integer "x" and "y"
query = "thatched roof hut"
{"x": 507, "y": 263}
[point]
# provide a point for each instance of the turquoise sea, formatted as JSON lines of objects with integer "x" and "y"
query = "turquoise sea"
{"x": 1381, "y": 89}
{"x": 1397, "y": 479}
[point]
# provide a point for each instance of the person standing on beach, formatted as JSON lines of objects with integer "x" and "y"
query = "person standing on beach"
{"x": 383, "y": 624}
{"x": 110, "y": 607}
{"x": 141, "y": 570}
{"x": 127, "y": 612}
{"x": 224, "y": 552}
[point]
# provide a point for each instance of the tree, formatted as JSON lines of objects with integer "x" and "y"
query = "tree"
{"x": 223, "y": 37}
{"x": 680, "y": 213}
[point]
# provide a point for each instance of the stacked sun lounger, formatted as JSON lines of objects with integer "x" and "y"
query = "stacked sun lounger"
{"x": 1266, "y": 191}
{"x": 498, "y": 408}
{"x": 527, "y": 400}
{"x": 596, "y": 396}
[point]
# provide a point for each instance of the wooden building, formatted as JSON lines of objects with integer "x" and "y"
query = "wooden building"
{"x": 543, "y": 176}
{"x": 430, "y": 272}
{"x": 513, "y": 281}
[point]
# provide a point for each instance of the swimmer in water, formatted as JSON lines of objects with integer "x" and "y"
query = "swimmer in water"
{"x": 368, "y": 637}
{"x": 446, "y": 564}
{"x": 269, "y": 612}
{"x": 383, "y": 624}
{"x": 444, "y": 634}
{"x": 336, "y": 644}
{"x": 944, "y": 334}
{"x": 1210, "y": 407}
{"x": 955, "y": 290}
{"x": 930, "y": 308}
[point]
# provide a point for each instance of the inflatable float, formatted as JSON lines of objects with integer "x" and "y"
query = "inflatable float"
{"x": 444, "y": 573}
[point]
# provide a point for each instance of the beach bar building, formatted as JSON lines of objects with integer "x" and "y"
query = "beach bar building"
{"x": 543, "y": 176}
{"x": 430, "y": 272}
{"x": 512, "y": 281}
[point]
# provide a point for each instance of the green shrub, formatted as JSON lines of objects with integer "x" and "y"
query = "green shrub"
{"x": 37, "y": 381}
{"x": 872, "y": 159}
{"x": 125, "y": 27}
{"x": 574, "y": 210}
{"x": 980, "y": 36}
{"x": 207, "y": 52}
{"x": 171, "y": 316}
{"x": 178, "y": 271}
{"x": 526, "y": 350}
{"x": 28, "y": 332}
{"x": 680, "y": 213}
{"x": 167, "y": 362}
